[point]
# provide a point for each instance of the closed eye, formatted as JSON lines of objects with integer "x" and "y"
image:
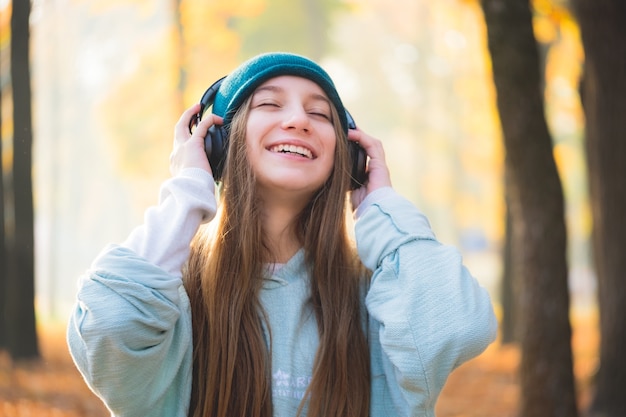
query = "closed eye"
{"x": 267, "y": 103}
{"x": 320, "y": 115}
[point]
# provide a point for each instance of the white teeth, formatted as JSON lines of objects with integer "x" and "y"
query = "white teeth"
{"x": 293, "y": 149}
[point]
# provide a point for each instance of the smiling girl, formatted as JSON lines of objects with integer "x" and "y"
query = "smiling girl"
{"x": 262, "y": 305}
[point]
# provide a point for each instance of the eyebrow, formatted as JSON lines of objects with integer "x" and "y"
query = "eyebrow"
{"x": 277, "y": 89}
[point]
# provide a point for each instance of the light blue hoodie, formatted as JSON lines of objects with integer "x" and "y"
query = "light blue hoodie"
{"x": 130, "y": 334}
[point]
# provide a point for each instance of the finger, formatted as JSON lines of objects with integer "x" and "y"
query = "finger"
{"x": 182, "y": 130}
{"x": 377, "y": 169}
{"x": 204, "y": 125}
{"x": 373, "y": 147}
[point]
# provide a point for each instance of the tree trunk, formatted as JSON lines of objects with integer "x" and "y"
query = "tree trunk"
{"x": 537, "y": 213}
{"x": 3, "y": 248}
{"x": 21, "y": 331}
{"x": 508, "y": 333}
{"x": 603, "y": 89}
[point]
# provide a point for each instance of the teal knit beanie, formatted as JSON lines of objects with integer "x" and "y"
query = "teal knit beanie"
{"x": 242, "y": 82}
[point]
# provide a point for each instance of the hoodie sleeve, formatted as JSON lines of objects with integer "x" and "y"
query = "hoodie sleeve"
{"x": 185, "y": 202}
{"x": 130, "y": 336}
{"x": 130, "y": 331}
{"x": 427, "y": 313}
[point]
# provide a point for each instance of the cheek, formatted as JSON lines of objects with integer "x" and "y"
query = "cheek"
{"x": 252, "y": 140}
{"x": 330, "y": 143}
{"x": 331, "y": 151}
{"x": 252, "y": 152}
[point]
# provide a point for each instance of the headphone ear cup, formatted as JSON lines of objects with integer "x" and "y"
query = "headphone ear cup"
{"x": 359, "y": 162}
{"x": 216, "y": 139}
{"x": 216, "y": 147}
{"x": 358, "y": 157}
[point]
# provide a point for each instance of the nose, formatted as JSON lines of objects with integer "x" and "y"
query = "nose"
{"x": 297, "y": 118}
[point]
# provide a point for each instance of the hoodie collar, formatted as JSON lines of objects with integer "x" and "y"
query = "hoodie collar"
{"x": 286, "y": 273}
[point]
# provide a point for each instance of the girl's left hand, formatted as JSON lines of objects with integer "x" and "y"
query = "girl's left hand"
{"x": 377, "y": 170}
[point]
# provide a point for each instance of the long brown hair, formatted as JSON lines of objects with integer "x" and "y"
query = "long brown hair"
{"x": 224, "y": 275}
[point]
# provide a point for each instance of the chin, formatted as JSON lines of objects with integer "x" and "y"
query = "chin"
{"x": 291, "y": 182}
{"x": 297, "y": 186}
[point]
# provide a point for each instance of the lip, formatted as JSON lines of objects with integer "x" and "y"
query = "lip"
{"x": 296, "y": 146}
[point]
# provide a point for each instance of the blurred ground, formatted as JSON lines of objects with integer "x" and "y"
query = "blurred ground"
{"x": 484, "y": 387}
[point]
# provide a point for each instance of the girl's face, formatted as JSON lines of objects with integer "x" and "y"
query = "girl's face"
{"x": 290, "y": 137}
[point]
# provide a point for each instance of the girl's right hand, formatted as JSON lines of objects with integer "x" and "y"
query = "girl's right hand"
{"x": 188, "y": 150}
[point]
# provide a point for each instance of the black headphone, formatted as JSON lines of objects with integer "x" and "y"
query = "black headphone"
{"x": 216, "y": 142}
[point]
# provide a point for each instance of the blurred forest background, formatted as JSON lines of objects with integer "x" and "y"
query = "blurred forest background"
{"x": 110, "y": 78}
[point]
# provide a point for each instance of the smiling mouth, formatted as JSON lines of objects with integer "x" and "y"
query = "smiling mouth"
{"x": 292, "y": 149}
